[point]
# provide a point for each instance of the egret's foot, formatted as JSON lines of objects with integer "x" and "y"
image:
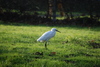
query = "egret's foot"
{"x": 46, "y": 48}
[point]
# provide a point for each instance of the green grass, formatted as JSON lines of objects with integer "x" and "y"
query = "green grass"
{"x": 19, "y": 48}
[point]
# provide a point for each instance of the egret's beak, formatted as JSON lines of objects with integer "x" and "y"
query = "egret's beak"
{"x": 58, "y": 31}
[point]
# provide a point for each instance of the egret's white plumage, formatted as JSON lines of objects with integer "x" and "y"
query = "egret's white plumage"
{"x": 47, "y": 35}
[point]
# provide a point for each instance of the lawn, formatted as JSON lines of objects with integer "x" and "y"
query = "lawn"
{"x": 73, "y": 47}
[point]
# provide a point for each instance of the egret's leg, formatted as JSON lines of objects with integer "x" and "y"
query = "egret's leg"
{"x": 46, "y": 45}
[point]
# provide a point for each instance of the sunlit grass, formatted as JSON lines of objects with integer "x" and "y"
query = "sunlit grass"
{"x": 18, "y": 47}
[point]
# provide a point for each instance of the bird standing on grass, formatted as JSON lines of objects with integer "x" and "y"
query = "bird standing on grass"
{"x": 47, "y": 35}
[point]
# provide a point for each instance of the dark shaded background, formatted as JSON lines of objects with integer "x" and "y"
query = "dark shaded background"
{"x": 19, "y": 11}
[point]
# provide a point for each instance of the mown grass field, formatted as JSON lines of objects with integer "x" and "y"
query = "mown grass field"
{"x": 71, "y": 48}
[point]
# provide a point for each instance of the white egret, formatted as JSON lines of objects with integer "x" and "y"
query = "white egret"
{"x": 47, "y": 35}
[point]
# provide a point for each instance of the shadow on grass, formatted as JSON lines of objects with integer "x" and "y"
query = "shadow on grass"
{"x": 93, "y": 28}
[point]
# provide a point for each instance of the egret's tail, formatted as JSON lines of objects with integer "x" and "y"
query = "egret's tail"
{"x": 39, "y": 40}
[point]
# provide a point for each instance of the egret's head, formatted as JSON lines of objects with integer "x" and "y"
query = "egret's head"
{"x": 54, "y": 29}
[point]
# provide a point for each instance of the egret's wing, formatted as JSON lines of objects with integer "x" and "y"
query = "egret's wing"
{"x": 46, "y": 36}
